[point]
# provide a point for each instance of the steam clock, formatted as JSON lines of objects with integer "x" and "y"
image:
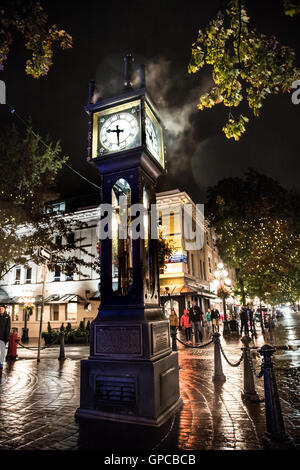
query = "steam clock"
{"x": 131, "y": 374}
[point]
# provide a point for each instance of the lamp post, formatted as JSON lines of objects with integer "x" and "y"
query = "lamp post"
{"x": 46, "y": 255}
{"x": 28, "y": 300}
{"x": 221, "y": 276}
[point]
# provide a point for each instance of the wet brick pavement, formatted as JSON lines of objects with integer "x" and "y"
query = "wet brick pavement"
{"x": 38, "y": 402}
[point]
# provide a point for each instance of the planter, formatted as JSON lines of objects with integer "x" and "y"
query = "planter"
{"x": 81, "y": 340}
{"x": 48, "y": 338}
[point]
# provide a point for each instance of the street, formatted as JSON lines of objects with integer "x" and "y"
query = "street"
{"x": 38, "y": 401}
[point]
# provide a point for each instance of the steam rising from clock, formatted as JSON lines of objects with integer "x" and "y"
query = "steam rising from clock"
{"x": 173, "y": 91}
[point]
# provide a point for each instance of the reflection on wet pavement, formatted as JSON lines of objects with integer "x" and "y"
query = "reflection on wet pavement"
{"x": 38, "y": 401}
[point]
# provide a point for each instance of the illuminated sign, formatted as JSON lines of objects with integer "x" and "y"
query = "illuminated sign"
{"x": 178, "y": 257}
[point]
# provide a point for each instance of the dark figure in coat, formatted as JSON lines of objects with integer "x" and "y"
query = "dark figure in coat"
{"x": 244, "y": 320}
{"x": 196, "y": 317}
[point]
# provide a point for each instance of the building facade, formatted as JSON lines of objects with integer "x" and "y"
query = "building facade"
{"x": 67, "y": 299}
{"x": 188, "y": 275}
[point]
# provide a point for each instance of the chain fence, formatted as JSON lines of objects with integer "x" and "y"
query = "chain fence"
{"x": 33, "y": 348}
{"x": 250, "y": 361}
{"x": 199, "y": 346}
{"x": 228, "y": 361}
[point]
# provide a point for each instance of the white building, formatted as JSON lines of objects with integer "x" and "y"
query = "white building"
{"x": 68, "y": 299}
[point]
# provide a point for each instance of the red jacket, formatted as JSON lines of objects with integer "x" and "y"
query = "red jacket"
{"x": 185, "y": 321}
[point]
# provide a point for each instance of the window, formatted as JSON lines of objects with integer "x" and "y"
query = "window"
{"x": 122, "y": 275}
{"x": 209, "y": 264}
{"x": 57, "y": 272}
{"x": 58, "y": 240}
{"x": 204, "y": 270}
{"x": 71, "y": 239}
{"x": 192, "y": 265}
{"x": 15, "y": 313}
{"x": 201, "y": 270}
{"x": 17, "y": 275}
{"x": 28, "y": 275}
{"x": 54, "y": 312}
{"x": 168, "y": 305}
{"x": 71, "y": 311}
{"x": 172, "y": 224}
{"x": 38, "y": 311}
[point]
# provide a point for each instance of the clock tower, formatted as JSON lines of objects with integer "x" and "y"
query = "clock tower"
{"x": 131, "y": 374}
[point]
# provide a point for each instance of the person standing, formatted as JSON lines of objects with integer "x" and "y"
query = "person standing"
{"x": 174, "y": 322}
{"x": 244, "y": 320}
{"x": 196, "y": 317}
{"x": 4, "y": 332}
{"x": 250, "y": 315}
{"x": 208, "y": 320}
{"x": 215, "y": 316}
{"x": 186, "y": 323}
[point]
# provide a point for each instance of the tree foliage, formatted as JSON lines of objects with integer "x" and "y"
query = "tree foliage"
{"x": 29, "y": 20}
{"x": 28, "y": 168}
{"x": 246, "y": 65}
{"x": 291, "y": 8}
{"x": 165, "y": 248}
{"x": 258, "y": 233}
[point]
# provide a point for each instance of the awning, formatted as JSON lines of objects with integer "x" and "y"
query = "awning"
{"x": 186, "y": 289}
{"x": 4, "y": 299}
{"x": 208, "y": 293}
{"x": 14, "y": 300}
{"x": 52, "y": 298}
{"x": 178, "y": 290}
{"x": 64, "y": 299}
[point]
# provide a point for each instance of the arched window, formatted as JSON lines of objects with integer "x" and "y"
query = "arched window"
{"x": 168, "y": 305}
{"x": 149, "y": 255}
{"x": 146, "y": 204}
{"x": 122, "y": 274}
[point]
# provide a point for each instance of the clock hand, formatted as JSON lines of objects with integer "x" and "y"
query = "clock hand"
{"x": 150, "y": 136}
{"x": 118, "y": 131}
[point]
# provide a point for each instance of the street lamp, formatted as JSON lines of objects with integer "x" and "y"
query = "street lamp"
{"x": 223, "y": 283}
{"x": 28, "y": 300}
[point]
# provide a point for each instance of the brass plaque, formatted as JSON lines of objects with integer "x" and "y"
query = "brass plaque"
{"x": 160, "y": 337}
{"x": 118, "y": 340}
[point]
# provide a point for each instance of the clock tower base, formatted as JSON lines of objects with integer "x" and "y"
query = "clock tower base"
{"x": 132, "y": 376}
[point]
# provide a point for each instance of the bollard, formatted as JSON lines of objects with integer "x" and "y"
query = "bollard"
{"x": 62, "y": 356}
{"x": 173, "y": 336}
{"x": 249, "y": 393}
{"x": 218, "y": 375}
{"x": 275, "y": 437}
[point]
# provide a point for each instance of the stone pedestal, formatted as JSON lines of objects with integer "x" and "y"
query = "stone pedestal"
{"x": 131, "y": 375}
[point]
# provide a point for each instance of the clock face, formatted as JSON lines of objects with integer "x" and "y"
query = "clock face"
{"x": 154, "y": 136}
{"x": 152, "y": 139}
{"x": 118, "y": 131}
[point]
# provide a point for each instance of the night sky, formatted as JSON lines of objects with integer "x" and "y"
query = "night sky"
{"x": 159, "y": 33}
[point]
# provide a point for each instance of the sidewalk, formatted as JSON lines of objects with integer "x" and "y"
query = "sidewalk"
{"x": 38, "y": 402}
